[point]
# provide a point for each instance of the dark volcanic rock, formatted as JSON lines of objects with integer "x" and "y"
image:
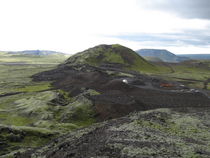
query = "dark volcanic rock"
{"x": 156, "y": 133}
{"x": 121, "y": 90}
{"x": 117, "y": 98}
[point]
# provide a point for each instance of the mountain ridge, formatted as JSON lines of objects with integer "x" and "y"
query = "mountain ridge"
{"x": 162, "y": 54}
{"x": 35, "y": 52}
{"x": 196, "y": 56}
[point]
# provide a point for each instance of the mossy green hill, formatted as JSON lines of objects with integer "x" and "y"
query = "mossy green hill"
{"x": 111, "y": 54}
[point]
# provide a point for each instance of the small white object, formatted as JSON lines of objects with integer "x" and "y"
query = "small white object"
{"x": 125, "y": 81}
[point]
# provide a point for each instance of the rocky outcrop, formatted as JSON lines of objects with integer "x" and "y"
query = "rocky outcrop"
{"x": 155, "y": 133}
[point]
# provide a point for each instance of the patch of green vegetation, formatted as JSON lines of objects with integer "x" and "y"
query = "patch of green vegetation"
{"x": 5, "y": 102}
{"x": 113, "y": 57}
{"x": 34, "y": 109}
{"x": 192, "y": 73}
{"x": 18, "y": 138}
{"x": 35, "y": 104}
{"x": 33, "y": 141}
{"x": 153, "y": 59}
{"x": 32, "y": 59}
{"x": 165, "y": 131}
{"x": 79, "y": 112}
{"x": 92, "y": 92}
{"x": 13, "y": 77}
{"x": 12, "y": 119}
{"x": 30, "y": 114}
{"x": 35, "y": 88}
{"x": 28, "y": 141}
{"x": 65, "y": 95}
{"x": 141, "y": 65}
{"x": 163, "y": 69}
{"x": 124, "y": 74}
{"x": 100, "y": 55}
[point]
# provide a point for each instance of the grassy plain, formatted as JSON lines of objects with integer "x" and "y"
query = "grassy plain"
{"x": 191, "y": 73}
{"x": 28, "y": 117}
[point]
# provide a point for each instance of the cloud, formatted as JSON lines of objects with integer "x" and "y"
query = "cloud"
{"x": 198, "y": 9}
{"x": 188, "y": 38}
{"x": 74, "y": 25}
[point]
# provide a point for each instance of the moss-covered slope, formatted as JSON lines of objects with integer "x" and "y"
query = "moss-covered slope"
{"x": 111, "y": 54}
{"x": 160, "y": 133}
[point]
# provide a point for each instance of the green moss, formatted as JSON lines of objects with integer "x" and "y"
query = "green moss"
{"x": 18, "y": 138}
{"x": 81, "y": 112}
{"x": 65, "y": 95}
{"x": 116, "y": 45}
{"x": 35, "y": 88}
{"x": 20, "y": 77}
{"x": 164, "y": 132}
{"x": 22, "y": 111}
{"x": 65, "y": 126}
{"x": 113, "y": 58}
{"x": 6, "y": 102}
{"x": 15, "y": 120}
{"x": 179, "y": 126}
{"x": 34, "y": 141}
{"x": 92, "y": 92}
{"x": 133, "y": 151}
{"x": 141, "y": 65}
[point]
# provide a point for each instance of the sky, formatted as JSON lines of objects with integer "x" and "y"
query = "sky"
{"x": 71, "y": 26}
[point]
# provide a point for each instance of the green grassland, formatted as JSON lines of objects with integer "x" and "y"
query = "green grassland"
{"x": 30, "y": 112}
{"x": 32, "y": 59}
{"x": 191, "y": 73}
{"x": 13, "y": 78}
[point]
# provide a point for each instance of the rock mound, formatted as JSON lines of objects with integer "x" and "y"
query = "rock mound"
{"x": 115, "y": 56}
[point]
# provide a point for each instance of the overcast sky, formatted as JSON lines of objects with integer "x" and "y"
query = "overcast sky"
{"x": 70, "y": 26}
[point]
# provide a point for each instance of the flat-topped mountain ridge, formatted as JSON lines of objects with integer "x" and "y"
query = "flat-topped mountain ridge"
{"x": 162, "y": 54}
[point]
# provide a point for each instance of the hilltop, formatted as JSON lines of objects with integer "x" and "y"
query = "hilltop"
{"x": 115, "y": 55}
{"x": 162, "y": 54}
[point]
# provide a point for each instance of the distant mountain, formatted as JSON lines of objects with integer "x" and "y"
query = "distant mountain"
{"x": 196, "y": 56}
{"x": 162, "y": 54}
{"x": 35, "y": 52}
{"x": 32, "y": 57}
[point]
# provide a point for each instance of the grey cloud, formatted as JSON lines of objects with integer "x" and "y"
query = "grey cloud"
{"x": 199, "y": 9}
{"x": 189, "y": 37}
